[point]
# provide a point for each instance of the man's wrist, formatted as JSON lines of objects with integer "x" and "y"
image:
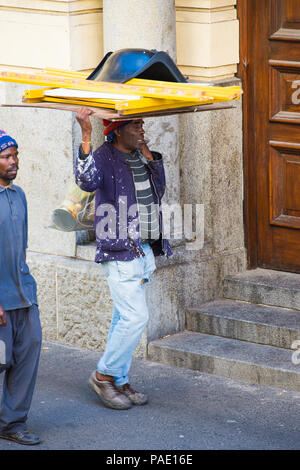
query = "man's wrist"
{"x": 156, "y": 156}
{"x": 82, "y": 154}
{"x": 86, "y": 142}
{"x": 86, "y": 136}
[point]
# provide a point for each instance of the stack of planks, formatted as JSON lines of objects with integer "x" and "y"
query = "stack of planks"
{"x": 69, "y": 90}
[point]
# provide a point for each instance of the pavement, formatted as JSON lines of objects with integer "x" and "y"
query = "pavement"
{"x": 187, "y": 410}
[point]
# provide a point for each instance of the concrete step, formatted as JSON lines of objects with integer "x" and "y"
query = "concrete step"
{"x": 238, "y": 360}
{"x": 273, "y": 326}
{"x": 264, "y": 286}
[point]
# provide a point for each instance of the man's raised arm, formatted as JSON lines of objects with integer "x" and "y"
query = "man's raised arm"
{"x": 88, "y": 177}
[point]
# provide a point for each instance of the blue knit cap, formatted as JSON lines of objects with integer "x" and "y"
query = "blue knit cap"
{"x": 6, "y": 141}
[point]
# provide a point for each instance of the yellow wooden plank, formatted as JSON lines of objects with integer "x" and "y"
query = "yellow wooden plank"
{"x": 160, "y": 83}
{"x": 36, "y": 92}
{"x": 71, "y": 101}
{"x": 65, "y": 73}
{"x": 151, "y": 102}
{"x": 88, "y": 100}
{"x": 39, "y": 94}
{"x": 175, "y": 105}
{"x": 215, "y": 91}
{"x": 132, "y": 104}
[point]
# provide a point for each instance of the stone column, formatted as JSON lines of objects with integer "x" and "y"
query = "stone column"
{"x": 148, "y": 24}
{"x": 211, "y": 29}
{"x": 59, "y": 34}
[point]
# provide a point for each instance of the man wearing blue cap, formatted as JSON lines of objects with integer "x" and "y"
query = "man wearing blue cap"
{"x": 20, "y": 328}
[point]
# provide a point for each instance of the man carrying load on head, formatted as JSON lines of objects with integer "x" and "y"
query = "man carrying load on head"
{"x": 129, "y": 182}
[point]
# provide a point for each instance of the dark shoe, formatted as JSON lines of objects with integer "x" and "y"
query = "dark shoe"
{"x": 136, "y": 398}
{"x": 109, "y": 393}
{"x": 21, "y": 437}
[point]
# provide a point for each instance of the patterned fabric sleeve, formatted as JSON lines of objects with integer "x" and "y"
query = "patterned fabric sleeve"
{"x": 87, "y": 175}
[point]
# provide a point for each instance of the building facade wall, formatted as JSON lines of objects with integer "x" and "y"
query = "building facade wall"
{"x": 203, "y": 155}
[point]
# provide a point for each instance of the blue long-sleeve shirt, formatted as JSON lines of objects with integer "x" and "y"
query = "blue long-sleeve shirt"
{"x": 17, "y": 286}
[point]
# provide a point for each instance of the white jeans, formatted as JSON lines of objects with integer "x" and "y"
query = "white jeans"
{"x": 127, "y": 281}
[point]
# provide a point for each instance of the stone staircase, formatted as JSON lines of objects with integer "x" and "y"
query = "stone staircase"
{"x": 247, "y": 335}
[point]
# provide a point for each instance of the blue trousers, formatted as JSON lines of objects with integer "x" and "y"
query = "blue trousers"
{"x": 21, "y": 340}
{"x": 127, "y": 281}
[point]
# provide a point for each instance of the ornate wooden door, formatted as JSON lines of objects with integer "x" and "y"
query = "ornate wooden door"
{"x": 270, "y": 66}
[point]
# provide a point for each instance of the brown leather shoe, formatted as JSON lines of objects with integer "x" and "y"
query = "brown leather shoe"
{"x": 109, "y": 393}
{"x": 135, "y": 397}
